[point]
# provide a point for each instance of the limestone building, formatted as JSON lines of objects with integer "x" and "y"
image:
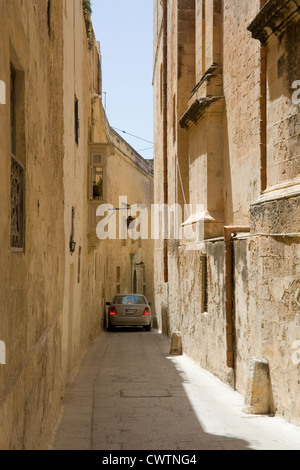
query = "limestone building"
{"x": 55, "y": 274}
{"x": 227, "y": 142}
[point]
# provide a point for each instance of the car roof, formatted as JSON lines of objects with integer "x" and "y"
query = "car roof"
{"x": 124, "y": 295}
{"x": 130, "y": 295}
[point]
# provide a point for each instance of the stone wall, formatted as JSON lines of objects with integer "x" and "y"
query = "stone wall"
{"x": 55, "y": 275}
{"x": 276, "y": 290}
{"x": 31, "y": 381}
{"x": 241, "y": 141}
{"x": 238, "y": 144}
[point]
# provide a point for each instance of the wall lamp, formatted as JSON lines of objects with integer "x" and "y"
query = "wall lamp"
{"x": 129, "y": 220}
{"x": 72, "y": 245}
{"x": 142, "y": 264}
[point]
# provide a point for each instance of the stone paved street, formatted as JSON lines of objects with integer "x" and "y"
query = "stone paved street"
{"x": 130, "y": 394}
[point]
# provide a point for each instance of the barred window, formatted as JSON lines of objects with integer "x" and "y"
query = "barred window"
{"x": 17, "y": 205}
{"x": 17, "y": 169}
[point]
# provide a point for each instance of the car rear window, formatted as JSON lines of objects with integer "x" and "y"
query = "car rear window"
{"x": 130, "y": 300}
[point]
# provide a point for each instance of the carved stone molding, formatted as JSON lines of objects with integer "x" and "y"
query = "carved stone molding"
{"x": 273, "y": 18}
{"x": 197, "y": 110}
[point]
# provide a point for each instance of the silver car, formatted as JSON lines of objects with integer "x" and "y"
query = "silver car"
{"x": 129, "y": 310}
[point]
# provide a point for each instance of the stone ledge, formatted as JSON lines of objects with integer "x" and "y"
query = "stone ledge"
{"x": 281, "y": 191}
{"x": 273, "y": 18}
{"x": 210, "y": 73}
{"x": 210, "y": 223}
{"x": 276, "y": 212}
{"x": 197, "y": 110}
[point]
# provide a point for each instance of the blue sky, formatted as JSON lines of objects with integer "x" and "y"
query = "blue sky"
{"x": 125, "y": 32}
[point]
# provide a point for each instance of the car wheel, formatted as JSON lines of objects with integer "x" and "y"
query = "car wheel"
{"x": 110, "y": 328}
{"x": 148, "y": 327}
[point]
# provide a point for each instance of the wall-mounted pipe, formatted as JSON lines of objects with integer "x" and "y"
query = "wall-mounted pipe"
{"x": 165, "y": 124}
{"x": 263, "y": 113}
{"x": 228, "y": 232}
{"x": 263, "y": 118}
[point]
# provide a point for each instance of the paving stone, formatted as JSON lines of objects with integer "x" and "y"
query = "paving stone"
{"x": 139, "y": 398}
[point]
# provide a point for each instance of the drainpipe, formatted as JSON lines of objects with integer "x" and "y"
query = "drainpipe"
{"x": 263, "y": 118}
{"x": 263, "y": 113}
{"x": 165, "y": 123}
{"x": 228, "y": 231}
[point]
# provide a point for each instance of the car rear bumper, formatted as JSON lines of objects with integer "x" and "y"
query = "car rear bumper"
{"x": 116, "y": 320}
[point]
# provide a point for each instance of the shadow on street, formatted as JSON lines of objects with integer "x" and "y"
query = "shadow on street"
{"x": 129, "y": 395}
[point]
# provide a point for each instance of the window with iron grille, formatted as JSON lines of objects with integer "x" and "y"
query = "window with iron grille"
{"x": 17, "y": 205}
{"x": 17, "y": 179}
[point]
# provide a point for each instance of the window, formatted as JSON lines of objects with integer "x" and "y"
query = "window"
{"x": 49, "y": 17}
{"x": 118, "y": 285}
{"x": 97, "y": 180}
{"x": 76, "y": 112}
{"x": 129, "y": 300}
{"x": 72, "y": 242}
{"x": 204, "y": 283}
{"x": 97, "y": 177}
{"x": 17, "y": 205}
{"x": 17, "y": 168}
{"x": 135, "y": 285}
{"x": 97, "y": 166}
{"x": 95, "y": 266}
{"x": 79, "y": 265}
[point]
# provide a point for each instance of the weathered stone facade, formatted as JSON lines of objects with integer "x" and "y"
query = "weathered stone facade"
{"x": 55, "y": 274}
{"x": 227, "y": 138}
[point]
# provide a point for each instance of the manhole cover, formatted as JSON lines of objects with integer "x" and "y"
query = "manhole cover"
{"x": 150, "y": 393}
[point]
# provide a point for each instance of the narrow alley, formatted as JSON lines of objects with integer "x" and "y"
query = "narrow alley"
{"x": 186, "y": 194}
{"x": 130, "y": 394}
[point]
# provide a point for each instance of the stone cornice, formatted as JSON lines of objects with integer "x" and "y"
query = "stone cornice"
{"x": 273, "y": 19}
{"x": 285, "y": 190}
{"x": 197, "y": 110}
{"x": 209, "y": 74}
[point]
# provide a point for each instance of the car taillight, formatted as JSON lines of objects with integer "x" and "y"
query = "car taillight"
{"x": 146, "y": 311}
{"x": 112, "y": 311}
